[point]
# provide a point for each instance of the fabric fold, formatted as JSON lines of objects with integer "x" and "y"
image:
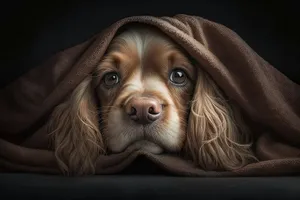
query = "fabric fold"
{"x": 265, "y": 95}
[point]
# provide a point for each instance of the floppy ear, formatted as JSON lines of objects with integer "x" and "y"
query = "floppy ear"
{"x": 75, "y": 133}
{"x": 217, "y": 138}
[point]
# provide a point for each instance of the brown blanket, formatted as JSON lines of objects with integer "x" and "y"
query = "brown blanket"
{"x": 269, "y": 99}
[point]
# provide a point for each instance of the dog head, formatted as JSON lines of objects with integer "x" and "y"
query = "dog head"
{"x": 146, "y": 85}
{"x": 147, "y": 92}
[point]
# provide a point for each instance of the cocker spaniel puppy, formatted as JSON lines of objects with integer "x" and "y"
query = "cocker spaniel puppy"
{"x": 147, "y": 91}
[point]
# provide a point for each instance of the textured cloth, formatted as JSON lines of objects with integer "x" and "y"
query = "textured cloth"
{"x": 268, "y": 98}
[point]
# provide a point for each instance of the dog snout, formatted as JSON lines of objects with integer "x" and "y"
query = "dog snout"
{"x": 144, "y": 110}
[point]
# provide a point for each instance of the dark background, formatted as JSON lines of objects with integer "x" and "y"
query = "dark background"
{"x": 33, "y": 31}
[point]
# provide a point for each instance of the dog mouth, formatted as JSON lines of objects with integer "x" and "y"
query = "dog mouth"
{"x": 144, "y": 142}
{"x": 155, "y": 137}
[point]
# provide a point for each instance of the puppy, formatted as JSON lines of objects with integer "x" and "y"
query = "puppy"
{"x": 146, "y": 91}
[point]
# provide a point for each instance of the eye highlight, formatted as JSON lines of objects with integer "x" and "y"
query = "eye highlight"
{"x": 111, "y": 79}
{"x": 178, "y": 77}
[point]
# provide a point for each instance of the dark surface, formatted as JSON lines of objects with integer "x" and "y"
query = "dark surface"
{"x": 146, "y": 187}
{"x": 31, "y": 32}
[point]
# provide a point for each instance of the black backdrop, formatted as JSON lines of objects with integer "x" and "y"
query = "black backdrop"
{"x": 32, "y": 31}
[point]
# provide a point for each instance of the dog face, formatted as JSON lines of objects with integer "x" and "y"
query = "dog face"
{"x": 146, "y": 84}
{"x": 146, "y": 92}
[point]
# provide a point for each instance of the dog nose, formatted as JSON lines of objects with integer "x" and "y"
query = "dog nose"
{"x": 144, "y": 110}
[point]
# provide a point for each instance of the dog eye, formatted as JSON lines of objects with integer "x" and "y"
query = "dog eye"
{"x": 178, "y": 77}
{"x": 111, "y": 79}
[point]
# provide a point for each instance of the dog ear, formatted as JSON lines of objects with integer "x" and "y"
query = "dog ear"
{"x": 74, "y": 128}
{"x": 217, "y": 137}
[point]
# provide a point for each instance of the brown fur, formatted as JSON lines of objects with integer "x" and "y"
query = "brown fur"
{"x": 74, "y": 128}
{"x": 212, "y": 132}
{"x": 218, "y": 138}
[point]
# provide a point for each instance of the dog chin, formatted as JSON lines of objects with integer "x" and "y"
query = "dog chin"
{"x": 143, "y": 145}
{"x": 148, "y": 147}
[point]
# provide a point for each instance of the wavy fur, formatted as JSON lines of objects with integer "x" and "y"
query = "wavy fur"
{"x": 76, "y": 138}
{"x": 217, "y": 137}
